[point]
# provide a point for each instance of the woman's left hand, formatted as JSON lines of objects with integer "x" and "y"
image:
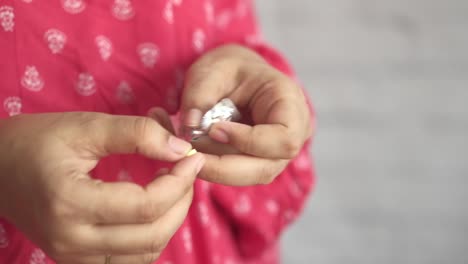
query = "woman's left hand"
{"x": 276, "y": 118}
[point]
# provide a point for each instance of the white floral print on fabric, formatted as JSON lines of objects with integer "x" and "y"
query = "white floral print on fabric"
{"x": 242, "y": 8}
{"x": 105, "y": 47}
{"x": 148, "y": 53}
{"x": 272, "y": 206}
{"x": 32, "y": 80}
{"x": 4, "y": 241}
{"x": 125, "y": 93}
{"x": 229, "y": 261}
{"x": 85, "y": 85}
{"x": 199, "y": 40}
{"x": 209, "y": 11}
{"x": 55, "y": 39}
{"x": 73, "y": 6}
{"x": 7, "y": 18}
{"x": 203, "y": 214}
{"x": 123, "y": 9}
{"x": 37, "y": 257}
{"x": 214, "y": 229}
{"x": 12, "y": 105}
{"x": 123, "y": 175}
{"x": 187, "y": 238}
{"x": 253, "y": 39}
{"x": 295, "y": 189}
{"x": 27, "y": 1}
{"x": 168, "y": 11}
{"x": 224, "y": 19}
{"x": 243, "y": 205}
{"x": 302, "y": 162}
{"x": 216, "y": 259}
{"x": 205, "y": 186}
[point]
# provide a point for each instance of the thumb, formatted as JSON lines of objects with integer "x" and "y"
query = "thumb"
{"x": 140, "y": 135}
{"x": 205, "y": 85}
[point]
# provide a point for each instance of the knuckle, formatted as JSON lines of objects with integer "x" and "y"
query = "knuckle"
{"x": 141, "y": 126}
{"x": 291, "y": 147}
{"x": 144, "y": 133}
{"x": 157, "y": 245}
{"x": 266, "y": 175}
{"x": 265, "y": 179}
{"x": 212, "y": 171}
{"x": 269, "y": 171}
{"x": 147, "y": 211}
{"x": 56, "y": 248}
{"x": 217, "y": 174}
{"x": 59, "y": 210}
{"x": 185, "y": 185}
{"x": 247, "y": 143}
{"x": 150, "y": 258}
{"x": 63, "y": 243}
{"x": 88, "y": 120}
{"x": 55, "y": 209}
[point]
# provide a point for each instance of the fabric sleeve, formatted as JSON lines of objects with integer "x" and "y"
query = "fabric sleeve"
{"x": 259, "y": 214}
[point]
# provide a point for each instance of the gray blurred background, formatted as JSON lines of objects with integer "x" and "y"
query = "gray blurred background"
{"x": 389, "y": 79}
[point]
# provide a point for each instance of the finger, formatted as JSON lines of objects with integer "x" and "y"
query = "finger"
{"x": 208, "y": 145}
{"x": 142, "y": 238}
{"x": 147, "y": 258}
{"x": 128, "y": 203}
{"x": 142, "y": 135}
{"x": 241, "y": 170}
{"x": 273, "y": 141}
{"x": 206, "y": 83}
{"x": 162, "y": 117}
{"x": 283, "y": 124}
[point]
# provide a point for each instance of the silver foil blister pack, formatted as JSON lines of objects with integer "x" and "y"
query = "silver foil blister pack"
{"x": 224, "y": 110}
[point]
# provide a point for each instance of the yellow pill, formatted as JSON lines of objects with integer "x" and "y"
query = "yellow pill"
{"x": 191, "y": 152}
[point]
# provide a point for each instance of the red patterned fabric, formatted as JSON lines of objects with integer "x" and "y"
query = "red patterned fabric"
{"x": 123, "y": 57}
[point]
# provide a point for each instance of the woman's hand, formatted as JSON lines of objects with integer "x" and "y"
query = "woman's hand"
{"x": 276, "y": 116}
{"x": 46, "y": 190}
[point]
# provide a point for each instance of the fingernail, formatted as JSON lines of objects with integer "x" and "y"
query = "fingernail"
{"x": 193, "y": 117}
{"x": 179, "y": 146}
{"x": 217, "y": 133}
{"x": 192, "y": 152}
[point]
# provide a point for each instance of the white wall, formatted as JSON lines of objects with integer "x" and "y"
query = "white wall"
{"x": 390, "y": 83}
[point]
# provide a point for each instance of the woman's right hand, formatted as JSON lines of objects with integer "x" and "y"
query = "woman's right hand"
{"x": 46, "y": 190}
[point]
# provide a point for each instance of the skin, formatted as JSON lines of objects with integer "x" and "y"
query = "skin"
{"x": 276, "y": 116}
{"x": 45, "y": 160}
{"x": 46, "y": 190}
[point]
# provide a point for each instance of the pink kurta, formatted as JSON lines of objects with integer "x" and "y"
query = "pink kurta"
{"x": 123, "y": 57}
